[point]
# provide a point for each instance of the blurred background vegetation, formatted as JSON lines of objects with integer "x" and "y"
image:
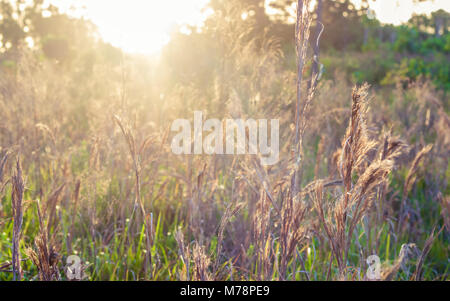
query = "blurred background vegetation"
{"x": 353, "y": 41}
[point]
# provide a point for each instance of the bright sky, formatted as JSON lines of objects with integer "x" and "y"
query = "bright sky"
{"x": 143, "y": 26}
{"x": 399, "y": 11}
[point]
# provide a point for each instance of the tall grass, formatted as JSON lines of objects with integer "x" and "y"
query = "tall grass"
{"x": 362, "y": 172}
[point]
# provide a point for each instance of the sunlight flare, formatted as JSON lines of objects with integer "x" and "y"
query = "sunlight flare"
{"x": 134, "y": 25}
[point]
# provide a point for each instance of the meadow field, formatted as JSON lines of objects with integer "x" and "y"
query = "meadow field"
{"x": 90, "y": 188}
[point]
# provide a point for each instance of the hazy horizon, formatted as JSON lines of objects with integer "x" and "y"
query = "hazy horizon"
{"x": 126, "y": 22}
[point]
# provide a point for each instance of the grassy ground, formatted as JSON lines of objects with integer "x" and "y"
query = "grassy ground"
{"x": 212, "y": 218}
{"x": 86, "y": 169}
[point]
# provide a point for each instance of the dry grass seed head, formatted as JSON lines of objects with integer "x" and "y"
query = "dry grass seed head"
{"x": 18, "y": 188}
{"x": 201, "y": 263}
{"x": 45, "y": 253}
{"x": 410, "y": 178}
{"x": 407, "y": 253}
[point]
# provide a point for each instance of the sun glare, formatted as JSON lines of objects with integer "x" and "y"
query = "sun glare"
{"x": 135, "y": 25}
